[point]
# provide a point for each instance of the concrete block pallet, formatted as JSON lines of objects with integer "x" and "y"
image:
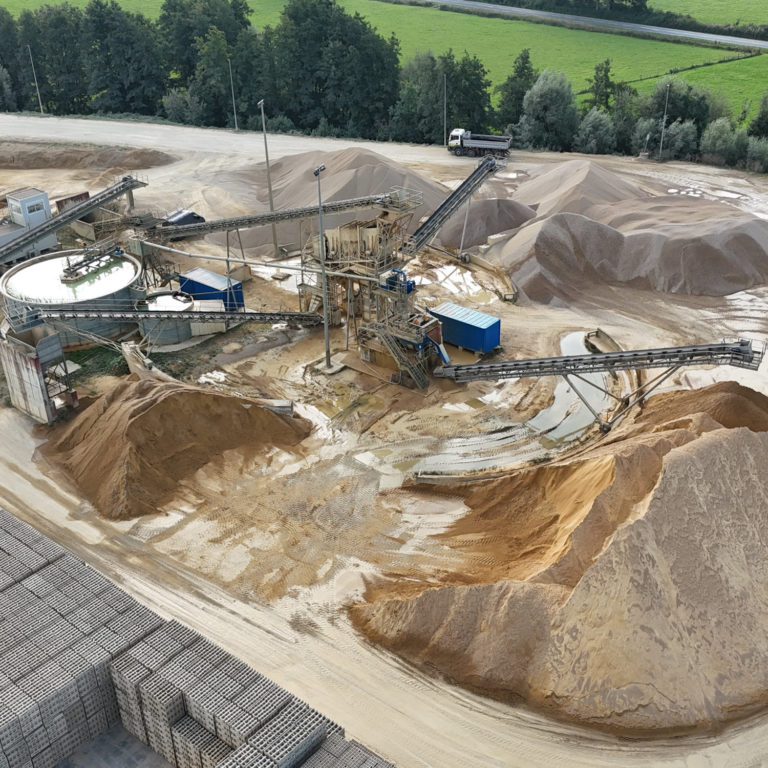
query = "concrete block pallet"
{"x": 77, "y": 655}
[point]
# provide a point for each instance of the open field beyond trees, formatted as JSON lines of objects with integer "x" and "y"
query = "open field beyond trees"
{"x": 716, "y": 11}
{"x": 496, "y": 42}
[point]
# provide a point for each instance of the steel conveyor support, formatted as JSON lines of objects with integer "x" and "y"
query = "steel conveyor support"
{"x": 740, "y": 353}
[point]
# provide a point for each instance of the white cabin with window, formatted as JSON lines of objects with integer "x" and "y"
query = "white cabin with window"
{"x": 27, "y": 208}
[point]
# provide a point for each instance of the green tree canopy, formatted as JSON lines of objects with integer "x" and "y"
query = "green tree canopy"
{"x": 596, "y": 134}
{"x": 512, "y": 91}
{"x": 182, "y": 22}
{"x": 331, "y": 65}
{"x": 418, "y": 114}
{"x": 759, "y": 125}
{"x": 686, "y": 102}
{"x": 53, "y": 33}
{"x": 10, "y": 61}
{"x": 601, "y": 87}
{"x": 550, "y": 117}
{"x": 123, "y": 61}
{"x": 210, "y": 84}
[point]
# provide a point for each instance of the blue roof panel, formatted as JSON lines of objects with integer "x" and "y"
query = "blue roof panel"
{"x": 210, "y": 279}
{"x": 469, "y": 316}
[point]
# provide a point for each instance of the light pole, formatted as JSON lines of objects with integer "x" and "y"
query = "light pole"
{"x": 269, "y": 179}
{"x": 664, "y": 121}
{"x": 232, "y": 87}
{"x": 445, "y": 110}
{"x": 317, "y": 173}
{"x": 34, "y": 75}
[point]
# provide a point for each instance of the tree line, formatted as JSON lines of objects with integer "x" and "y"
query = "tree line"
{"x": 324, "y": 72}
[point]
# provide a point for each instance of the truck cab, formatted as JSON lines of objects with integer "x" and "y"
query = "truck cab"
{"x": 454, "y": 140}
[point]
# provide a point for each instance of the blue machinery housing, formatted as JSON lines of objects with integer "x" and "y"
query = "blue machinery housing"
{"x": 204, "y": 285}
{"x": 467, "y": 328}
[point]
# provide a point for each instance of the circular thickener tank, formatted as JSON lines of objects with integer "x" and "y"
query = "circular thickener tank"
{"x": 74, "y": 280}
{"x": 162, "y": 332}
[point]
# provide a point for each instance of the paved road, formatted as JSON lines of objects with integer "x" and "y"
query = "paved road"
{"x": 605, "y": 23}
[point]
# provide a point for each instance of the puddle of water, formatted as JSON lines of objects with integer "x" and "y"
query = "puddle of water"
{"x": 568, "y": 417}
{"x": 290, "y": 283}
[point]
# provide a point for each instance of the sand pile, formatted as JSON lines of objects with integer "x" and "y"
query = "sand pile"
{"x": 486, "y": 217}
{"x": 349, "y": 173}
{"x": 128, "y": 451}
{"x": 30, "y": 155}
{"x": 575, "y": 187}
{"x": 593, "y": 228}
{"x": 627, "y": 588}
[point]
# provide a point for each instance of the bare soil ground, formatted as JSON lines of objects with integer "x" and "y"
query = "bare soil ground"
{"x": 242, "y": 553}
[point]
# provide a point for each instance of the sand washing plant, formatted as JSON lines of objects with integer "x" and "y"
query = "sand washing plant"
{"x": 532, "y": 469}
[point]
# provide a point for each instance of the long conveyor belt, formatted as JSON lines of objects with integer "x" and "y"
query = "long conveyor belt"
{"x": 740, "y": 353}
{"x": 300, "y": 318}
{"x": 450, "y": 205}
{"x": 271, "y": 217}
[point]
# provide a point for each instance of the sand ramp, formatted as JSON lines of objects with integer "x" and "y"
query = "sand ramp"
{"x": 650, "y": 612}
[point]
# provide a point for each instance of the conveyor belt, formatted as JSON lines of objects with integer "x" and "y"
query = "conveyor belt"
{"x": 75, "y": 212}
{"x": 739, "y": 353}
{"x": 299, "y": 318}
{"x": 450, "y": 205}
{"x": 260, "y": 219}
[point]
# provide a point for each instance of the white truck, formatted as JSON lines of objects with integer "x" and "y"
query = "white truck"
{"x": 462, "y": 142}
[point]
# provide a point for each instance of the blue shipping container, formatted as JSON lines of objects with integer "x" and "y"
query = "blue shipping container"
{"x": 205, "y": 285}
{"x": 467, "y": 328}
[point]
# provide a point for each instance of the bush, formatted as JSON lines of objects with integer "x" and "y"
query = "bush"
{"x": 720, "y": 145}
{"x": 550, "y": 115}
{"x": 596, "y": 135}
{"x": 681, "y": 140}
{"x": 646, "y": 135}
{"x": 182, "y": 106}
{"x": 757, "y": 154}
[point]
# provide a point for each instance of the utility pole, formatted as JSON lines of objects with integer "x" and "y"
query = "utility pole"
{"x": 269, "y": 179}
{"x": 445, "y": 110}
{"x": 34, "y": 75}
{"x": 324, "y": 279}
{"x": 232, "y": 87}
{"x": 664, "y": 121}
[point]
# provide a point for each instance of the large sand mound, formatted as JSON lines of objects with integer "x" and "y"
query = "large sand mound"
{"x": 626, "y": 588}
{"x": 593, "y": 228}
{"x": 486, "y": 217}
{"x": 349, "y": 173}
{"x": 574, "y": 187}
{"x": 128, "y": 451}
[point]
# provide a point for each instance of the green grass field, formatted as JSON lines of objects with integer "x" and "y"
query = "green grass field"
{"x": 717, "y": 11}
{"x": 497, "y": 42}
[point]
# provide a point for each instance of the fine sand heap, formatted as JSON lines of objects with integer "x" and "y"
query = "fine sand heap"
{"x": 129, "y": 450}
{"x": 625, "y": 588}
{"x": 594, "y": 228}
{"x": 486, "y": 218}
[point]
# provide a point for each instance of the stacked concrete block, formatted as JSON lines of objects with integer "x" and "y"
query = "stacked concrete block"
{"x": 189, "y": 739}
{"x": 247, "y": 756}
{"x": 292, "y": 735}
{"x": 77, "y": 655}
{"x": 56, "y": 691}
{"x": 337, "y": 752}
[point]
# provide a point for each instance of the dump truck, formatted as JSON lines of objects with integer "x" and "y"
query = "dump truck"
{"x": 463, "y": 142}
